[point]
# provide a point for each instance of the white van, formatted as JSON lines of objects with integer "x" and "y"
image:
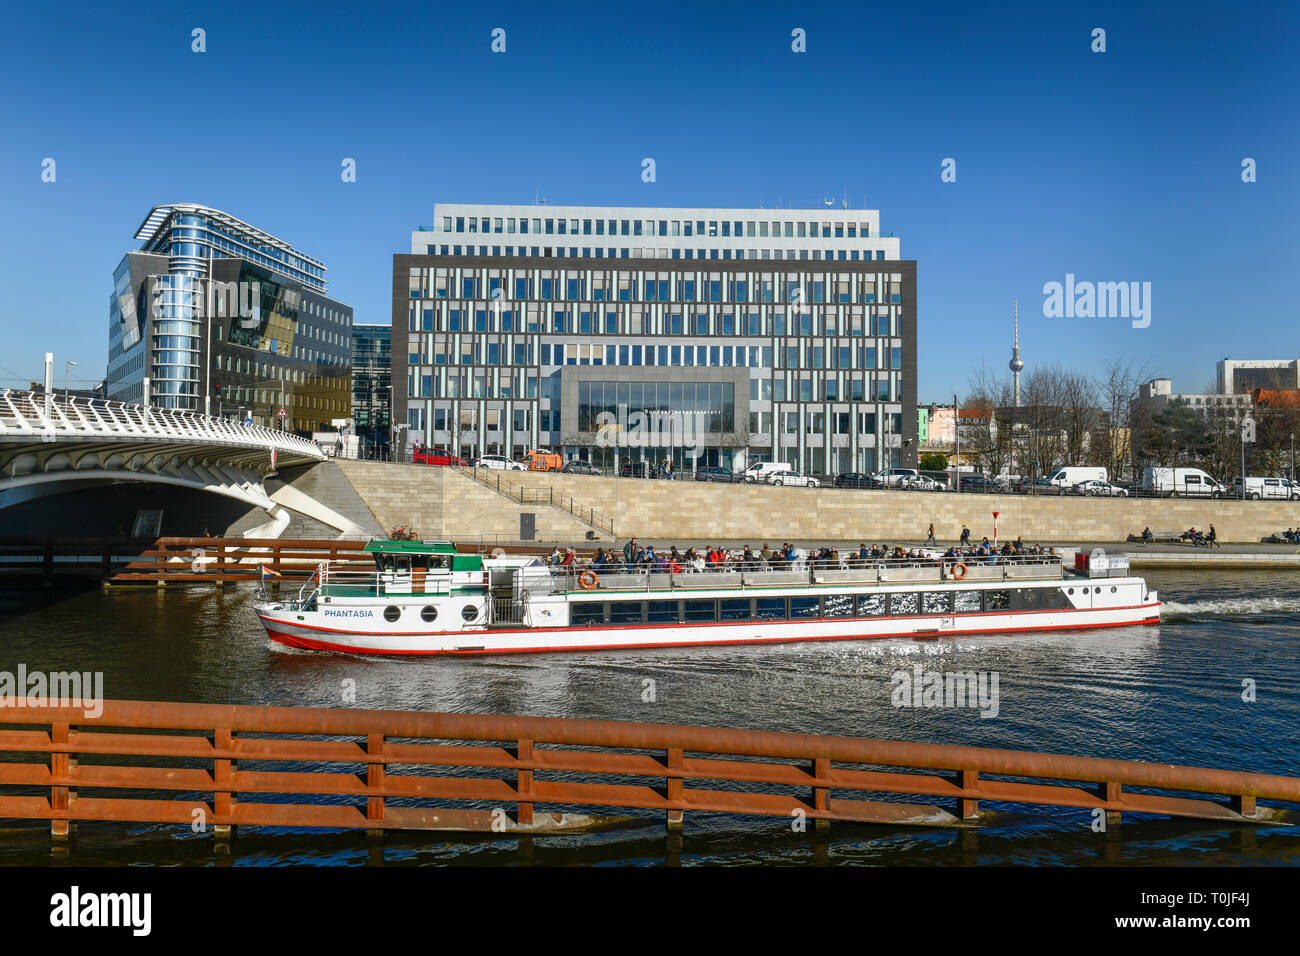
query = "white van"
{"x": 761, "y": 471}
{"x": 1179, "y": 482}
{"x": 1065, "y": 478}
{"x": 1257, "y": 488}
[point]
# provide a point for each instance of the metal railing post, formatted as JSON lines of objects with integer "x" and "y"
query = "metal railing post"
{"x": 223, "y": 770}
{"x": 821, "y": 770}
{"x": 674, "y": 791}
{"x": 374, "y": 779}
{"x": 968, "y": 808}
{"x": 524, "y": 783}
{"x": 59, "y": 797}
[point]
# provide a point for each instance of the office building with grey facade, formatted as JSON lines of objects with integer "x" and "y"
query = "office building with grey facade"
{"x": 703, "y": 336}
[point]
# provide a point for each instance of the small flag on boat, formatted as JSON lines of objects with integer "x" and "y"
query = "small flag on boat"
{"x": 268, "y": 573}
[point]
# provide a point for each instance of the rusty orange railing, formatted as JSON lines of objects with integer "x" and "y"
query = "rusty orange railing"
{"x": 148, "y": 762}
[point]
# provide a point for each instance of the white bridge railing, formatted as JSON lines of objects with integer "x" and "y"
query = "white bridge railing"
{"x": 23, "y": 415}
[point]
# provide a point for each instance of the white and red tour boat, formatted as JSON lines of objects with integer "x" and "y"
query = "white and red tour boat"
{"x": 425, "y": 598}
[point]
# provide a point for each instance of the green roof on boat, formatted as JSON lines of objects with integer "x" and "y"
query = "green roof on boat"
{"x": 411, "y": 547}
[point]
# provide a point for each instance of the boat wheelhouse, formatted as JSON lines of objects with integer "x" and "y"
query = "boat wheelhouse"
{"x": 426, "y": 598}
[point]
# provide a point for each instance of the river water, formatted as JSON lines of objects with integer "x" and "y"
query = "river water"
{"x": 1171, "y": 693}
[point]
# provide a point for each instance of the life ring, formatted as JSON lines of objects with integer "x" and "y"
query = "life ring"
{"x": 587, "y": 580}
{"x": 959, "y": 571}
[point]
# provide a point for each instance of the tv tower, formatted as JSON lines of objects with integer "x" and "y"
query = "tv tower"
{"x": 1016, "y": 364}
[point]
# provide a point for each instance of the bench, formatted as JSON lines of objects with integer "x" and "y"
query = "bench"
{"x": 1161, "y": 537}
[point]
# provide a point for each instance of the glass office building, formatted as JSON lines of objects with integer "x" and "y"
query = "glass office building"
{"x": 705, "y": 336}
{"x": 214, "y": 315}
{"x": 372, "y": 370}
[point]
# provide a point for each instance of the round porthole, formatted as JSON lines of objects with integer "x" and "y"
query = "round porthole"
{"x": 469, "y": 612}
{"x": 1113, "y": 589}
{"x": 428, "y": 614}
{"x": 392, "y": 613}
{"x": 1098, "y": 591}
{"x": 1071, "y": 591}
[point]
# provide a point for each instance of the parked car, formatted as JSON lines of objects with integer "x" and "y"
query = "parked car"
{"x": 920, "y": 483}
{"x": 855, "y": 479}
{"x": 894, "y": 477}
{"x": 794, "y": 478}
{"x": 578, "y": 467}
{"x": 499, "y": 463}
{"x": 981, "y": 484}
{"x": 715, "y": 473}
{"x": 942, "y": 477}
{"x": 1099, "y": 489}
{"x": 436, "y": 456}
{"x": 1034, "y": 486}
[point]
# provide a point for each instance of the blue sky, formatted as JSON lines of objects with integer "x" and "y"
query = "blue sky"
{"x": 1115, "y": 166}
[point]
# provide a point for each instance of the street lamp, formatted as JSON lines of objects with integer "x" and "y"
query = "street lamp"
{"x": 66, "y": 366}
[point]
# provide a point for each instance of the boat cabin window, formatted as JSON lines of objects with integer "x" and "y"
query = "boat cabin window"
{"x": 904, "y": 603}
{"x": 627, "y": 612}
{"x": 662, "y": 612}
{"x": 587, "y": 615}
{"x": 405, "y": 563}
{"x": 937, "y": 602}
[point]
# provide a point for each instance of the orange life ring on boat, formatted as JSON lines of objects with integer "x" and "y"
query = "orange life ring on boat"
{"x": 587, "y": 580}
{"x": 959, "y": 570}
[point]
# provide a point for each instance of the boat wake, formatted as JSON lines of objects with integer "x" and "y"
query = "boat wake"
{"x": 1229, "y": 607}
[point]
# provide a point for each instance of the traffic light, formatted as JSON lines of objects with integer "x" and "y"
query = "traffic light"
{"x": 217, "y": 388}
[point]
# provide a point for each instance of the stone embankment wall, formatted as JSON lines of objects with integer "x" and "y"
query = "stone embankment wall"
{"x": 441, "y": 502}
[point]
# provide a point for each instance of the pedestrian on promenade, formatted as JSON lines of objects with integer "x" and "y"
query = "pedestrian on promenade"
{"x": 965, "y": 536}
{"x": 1212, "y": 538}
{"x": 930, "y": 537}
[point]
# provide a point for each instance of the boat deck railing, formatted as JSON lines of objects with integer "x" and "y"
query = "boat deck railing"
{"x": 758, "y": 574}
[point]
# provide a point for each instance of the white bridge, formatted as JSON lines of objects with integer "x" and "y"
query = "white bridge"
{"x": 50, "y": 444}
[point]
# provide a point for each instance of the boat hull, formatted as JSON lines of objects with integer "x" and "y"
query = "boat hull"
{"x": 286, "y": 627}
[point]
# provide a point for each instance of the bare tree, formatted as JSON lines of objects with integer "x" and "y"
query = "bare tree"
{"x": 1116, "y": 388}
{"x": 989, "y": 438}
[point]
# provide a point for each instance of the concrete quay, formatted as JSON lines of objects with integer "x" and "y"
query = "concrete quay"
{"x": 442, "y": 502}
